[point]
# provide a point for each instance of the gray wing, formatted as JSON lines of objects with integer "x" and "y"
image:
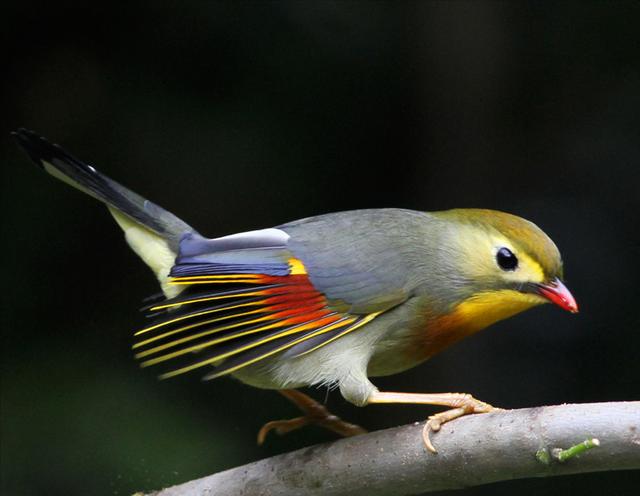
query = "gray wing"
{"x": 364, "y": 259}
{"x": 290, "y": 290}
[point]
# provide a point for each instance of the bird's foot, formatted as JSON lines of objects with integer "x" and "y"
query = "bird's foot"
{"x": 463, "y": 405}
{"x": 314, "y": 414}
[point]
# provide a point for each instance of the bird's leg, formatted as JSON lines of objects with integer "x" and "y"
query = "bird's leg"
{"x": 314, "y": 413}
{"x": 460, "y": 404}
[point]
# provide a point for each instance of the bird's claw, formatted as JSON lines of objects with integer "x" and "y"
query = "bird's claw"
{"x": 281, "y": 427}
{"x": 314, "y": 414}
{"x": 430, "y": 426}
{"x": 330, "y": 422}
{"x": 435, "y": 422}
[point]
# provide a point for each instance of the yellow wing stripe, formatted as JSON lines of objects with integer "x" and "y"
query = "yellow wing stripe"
{"x": 217, "y": 276}
{"x": 213, "y": 342}
{"x": 198, "y": 324}
{"x": 364, "y": 321}
{"x": 296, "y": 267}
{"x": 182, "y": 282}
{"x": 207, "y": 298}
{"x": 217, "y": 358}
{"x": 191, "y": 337}
{"x": 190, "y": 316}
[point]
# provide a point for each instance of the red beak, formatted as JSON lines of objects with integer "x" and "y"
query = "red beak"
{"x": 557, "y": 293}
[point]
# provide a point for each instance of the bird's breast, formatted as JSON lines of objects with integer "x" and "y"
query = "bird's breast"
{"x": 470, "y": 316}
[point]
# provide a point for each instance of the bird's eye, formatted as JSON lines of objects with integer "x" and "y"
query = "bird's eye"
{"x": 506, "y": 259}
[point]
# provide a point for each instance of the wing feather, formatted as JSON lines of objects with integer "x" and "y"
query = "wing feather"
{"x": 242, "y": 304}
{"x": 251, "y": 317}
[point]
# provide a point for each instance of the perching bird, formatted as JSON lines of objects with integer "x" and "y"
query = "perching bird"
{"x": 327, "y": 300}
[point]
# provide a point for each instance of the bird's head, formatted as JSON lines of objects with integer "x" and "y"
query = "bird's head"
{"x": 503, "y": 264}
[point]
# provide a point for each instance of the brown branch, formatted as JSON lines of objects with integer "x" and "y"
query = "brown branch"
{"x": 473, "y": 450}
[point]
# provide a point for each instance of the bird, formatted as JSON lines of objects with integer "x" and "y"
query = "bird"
{"x": 331, "y": 300}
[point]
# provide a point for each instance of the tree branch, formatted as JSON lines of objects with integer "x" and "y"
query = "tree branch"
{"x": 473, "y": 450}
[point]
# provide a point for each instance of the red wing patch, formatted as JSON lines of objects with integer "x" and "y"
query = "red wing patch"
{"x": 233, "y": 320}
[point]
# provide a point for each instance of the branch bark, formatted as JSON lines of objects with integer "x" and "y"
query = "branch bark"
{"x": 473, "y": 450}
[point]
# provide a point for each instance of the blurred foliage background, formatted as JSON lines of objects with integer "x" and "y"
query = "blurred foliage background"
{"x": 244, "y": 115}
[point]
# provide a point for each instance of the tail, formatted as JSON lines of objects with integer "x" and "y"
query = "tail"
{"x": 152, "y": 232}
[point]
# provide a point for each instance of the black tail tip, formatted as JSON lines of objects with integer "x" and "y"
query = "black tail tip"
{"x": 37, "y": 147}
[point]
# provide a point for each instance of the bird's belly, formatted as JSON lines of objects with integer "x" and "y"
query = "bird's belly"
{"x": 327, "y": 365}
{"x": 396, "y": 353}
{"x": 331, "y": 364}
{"x": 394, "y": 342}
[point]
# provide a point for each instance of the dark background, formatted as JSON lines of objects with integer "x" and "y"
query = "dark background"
{"x": 239, "y": 116}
